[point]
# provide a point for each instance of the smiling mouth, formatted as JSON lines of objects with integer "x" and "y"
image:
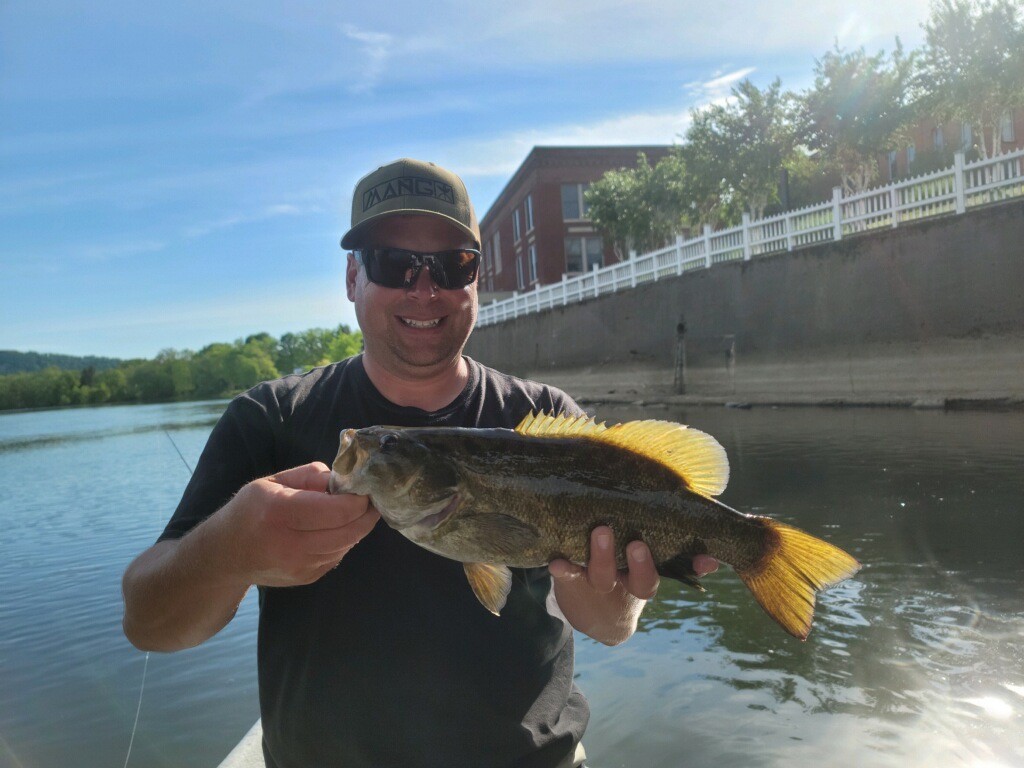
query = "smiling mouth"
{"x": 410, "y": 322}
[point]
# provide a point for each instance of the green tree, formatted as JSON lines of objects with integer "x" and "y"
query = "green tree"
{"x": 263, "y": 341}
{"x": 743, "y": 145}
{"x": 858, "y": 108}
{"x": 633, "y": 207}
{"x": 971, "y": 68}
{"x": 313, "y": 347}
{"x": 345, "y": 343}
{"x": 115, "y": 382}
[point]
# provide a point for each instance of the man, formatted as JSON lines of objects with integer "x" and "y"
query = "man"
{"x": 372, "y": 651}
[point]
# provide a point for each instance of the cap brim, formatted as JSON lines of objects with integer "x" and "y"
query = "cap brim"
{"x": 350, "y": 239}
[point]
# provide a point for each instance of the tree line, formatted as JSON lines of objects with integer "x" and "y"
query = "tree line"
{"x": 217, "y": 370}
{"x": 758, "y": 146}
{"x": 20, "y": 362}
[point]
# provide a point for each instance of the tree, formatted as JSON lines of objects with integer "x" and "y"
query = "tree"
{"x": 631, "y": 207}
{"x": 737, "y": 150}
{"x": 858, "y": 108}
{"x": 972, "y": 65}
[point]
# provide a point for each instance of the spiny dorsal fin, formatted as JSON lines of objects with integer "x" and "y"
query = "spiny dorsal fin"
{"x": 693, "y": 455}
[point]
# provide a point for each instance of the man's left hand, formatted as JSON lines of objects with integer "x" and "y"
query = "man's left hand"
{"x": 600, "y": 600}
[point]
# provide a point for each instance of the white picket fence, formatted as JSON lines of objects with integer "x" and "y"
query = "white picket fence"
{"x": 949, "y": 191}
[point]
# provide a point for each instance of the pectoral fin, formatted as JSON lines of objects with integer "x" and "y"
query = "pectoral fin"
{"x": 490, "y": 583}
{"x": 504, "y": 535}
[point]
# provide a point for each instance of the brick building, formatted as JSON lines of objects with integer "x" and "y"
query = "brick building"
{"x": 932, "y": 145}
{"x": 538, "y": 227}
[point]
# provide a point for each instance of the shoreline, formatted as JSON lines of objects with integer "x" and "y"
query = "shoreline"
{"x": 1007, "y": 403}
{"x": 806, "y": 385}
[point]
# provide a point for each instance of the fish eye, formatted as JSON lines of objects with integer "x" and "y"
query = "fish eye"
{"x": 387, "y": 442}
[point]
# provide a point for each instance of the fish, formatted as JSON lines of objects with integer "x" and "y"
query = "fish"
{"x": 495, "y": 499}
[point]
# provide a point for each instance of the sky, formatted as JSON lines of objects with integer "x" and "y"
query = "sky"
{"x": 177, "y": 174}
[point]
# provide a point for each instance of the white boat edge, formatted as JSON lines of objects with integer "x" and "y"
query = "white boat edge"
{"x": 248, "y": 753}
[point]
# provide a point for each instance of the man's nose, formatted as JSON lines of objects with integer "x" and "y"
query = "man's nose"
{"x": 424, "y": 283}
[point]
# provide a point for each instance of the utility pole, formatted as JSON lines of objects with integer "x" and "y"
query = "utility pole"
{"x": 679, "y": 380}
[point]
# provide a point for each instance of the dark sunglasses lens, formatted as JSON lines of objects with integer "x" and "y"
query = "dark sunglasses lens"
{"x": 454, "y": 269}
{"x": 390, "y": 267}
{"x": 398, "y": 268}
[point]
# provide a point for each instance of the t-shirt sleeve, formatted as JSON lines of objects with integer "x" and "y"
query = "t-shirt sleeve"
{"x": 240, "y": 449}
{"x": 560, "y": 403}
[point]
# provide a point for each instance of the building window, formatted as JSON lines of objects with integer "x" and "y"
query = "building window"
{"x": 938, "y": 137}
{"x": 582, "y": 254}
{"x": 911, "y": 154}
{"x": 497, "y": 253}
{"x": 966, "y": 136}
{"x": 516, "y": 233}
{"x": 892, "y": 165}
{"x": 520, "y": 283}
{"x": 533, "y": 264}
{"x": 529, "y": 212}
{"x": 574, "y": 206}
{"x": 1006, "y": 127}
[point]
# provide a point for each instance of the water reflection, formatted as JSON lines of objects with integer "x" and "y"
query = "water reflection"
{"x": 917, "y": 660}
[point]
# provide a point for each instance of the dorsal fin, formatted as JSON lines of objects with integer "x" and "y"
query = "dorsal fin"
{"x": 693, "y": 455}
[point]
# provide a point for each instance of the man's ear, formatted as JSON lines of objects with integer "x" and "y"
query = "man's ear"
{"x": 351, "y": 272}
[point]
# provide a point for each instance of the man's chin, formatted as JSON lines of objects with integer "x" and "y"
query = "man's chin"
{"x": 425, "y": 360}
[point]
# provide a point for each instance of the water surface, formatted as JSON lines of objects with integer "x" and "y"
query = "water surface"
{"x": 917, "y": 661}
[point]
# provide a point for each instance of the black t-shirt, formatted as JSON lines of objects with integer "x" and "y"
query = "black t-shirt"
{"x": 389, "y": 659}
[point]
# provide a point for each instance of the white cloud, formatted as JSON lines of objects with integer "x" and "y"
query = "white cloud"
{"x": 719, "y": 86}
{"x": 374, "y": 54}
{"x": 501, "y": 155}
{"x": 268, "y": 212}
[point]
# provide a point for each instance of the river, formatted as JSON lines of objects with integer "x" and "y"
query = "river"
{"x": 919, "y": 660}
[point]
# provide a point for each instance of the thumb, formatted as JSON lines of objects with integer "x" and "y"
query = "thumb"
{"x": 563, "y": 569}
{"x": 308, "y": 477}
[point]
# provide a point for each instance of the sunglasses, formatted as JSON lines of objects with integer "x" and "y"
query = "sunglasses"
{"x": 399, "y": 268}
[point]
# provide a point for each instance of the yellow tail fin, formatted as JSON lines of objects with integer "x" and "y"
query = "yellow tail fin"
{"x": 795, "y": 566}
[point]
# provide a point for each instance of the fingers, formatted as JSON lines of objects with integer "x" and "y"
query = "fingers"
{"x": 307, "y": 511}
{"x": 641, "y": 580}
{"x": 704, "y": 564}
{"x": 308, "y": 477}
{"x": 337, "y": 541}
{"x": 602, "y": 572}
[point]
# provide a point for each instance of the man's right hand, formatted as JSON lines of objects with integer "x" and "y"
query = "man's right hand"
{"x": 282, "y": 530}
{"x": 285, "y": 530}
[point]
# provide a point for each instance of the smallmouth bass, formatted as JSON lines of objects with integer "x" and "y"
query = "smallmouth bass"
{"x": 495, "y": 498}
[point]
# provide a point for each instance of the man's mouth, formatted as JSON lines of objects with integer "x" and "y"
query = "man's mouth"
{"x": 412, "y": 323}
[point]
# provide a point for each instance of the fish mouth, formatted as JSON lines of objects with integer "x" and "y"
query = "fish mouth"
{"x": 348, "y": 460}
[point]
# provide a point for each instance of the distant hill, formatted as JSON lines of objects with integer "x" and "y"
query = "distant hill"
{"x": 28, "y": 362}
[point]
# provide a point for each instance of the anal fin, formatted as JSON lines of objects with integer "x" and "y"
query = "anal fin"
{"x": 680, "y": 568}
{"x": 490, "y": 583}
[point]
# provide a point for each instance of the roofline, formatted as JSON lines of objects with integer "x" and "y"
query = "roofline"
{"x": 530, "y": 158}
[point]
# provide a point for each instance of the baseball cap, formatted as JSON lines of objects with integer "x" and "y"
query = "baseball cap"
{"x": 409, "y": 186}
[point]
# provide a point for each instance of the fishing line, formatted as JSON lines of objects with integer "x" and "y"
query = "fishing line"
{"x": 138, "y": 709}
{"x": 145, "y": 664}
{"x": 187, "y": 465}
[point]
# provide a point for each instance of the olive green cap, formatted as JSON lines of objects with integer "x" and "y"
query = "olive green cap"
{"x": 410, "y": 187}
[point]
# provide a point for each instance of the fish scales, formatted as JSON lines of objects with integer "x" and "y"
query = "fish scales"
{"x": 495, "y": 498}
{"x": 567, "y": 487}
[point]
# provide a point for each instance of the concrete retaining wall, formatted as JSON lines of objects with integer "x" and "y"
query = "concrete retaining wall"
{"x": 931, "y": 309}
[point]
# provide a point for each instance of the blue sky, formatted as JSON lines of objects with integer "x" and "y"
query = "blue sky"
{"x": 174, "y": 174}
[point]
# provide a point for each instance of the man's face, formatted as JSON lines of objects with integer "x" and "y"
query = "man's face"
{"x": 415, "y": 331}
